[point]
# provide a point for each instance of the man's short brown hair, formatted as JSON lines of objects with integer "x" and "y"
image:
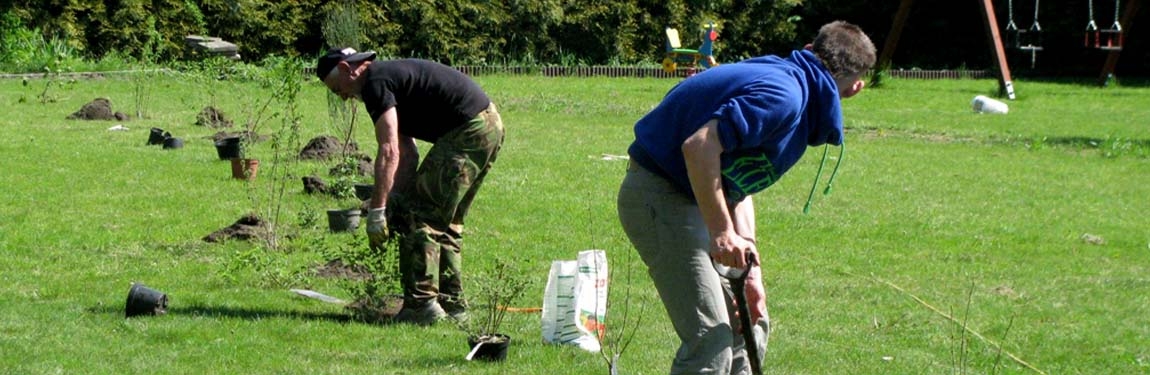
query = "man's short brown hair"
{"x": 844, "y": 49}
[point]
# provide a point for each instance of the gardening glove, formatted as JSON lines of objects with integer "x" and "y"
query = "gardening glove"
{"x": 377, "y": 232}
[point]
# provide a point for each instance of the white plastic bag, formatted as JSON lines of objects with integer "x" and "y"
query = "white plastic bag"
{"x": 575, "y": 301}
{"x": 983, "y": 104}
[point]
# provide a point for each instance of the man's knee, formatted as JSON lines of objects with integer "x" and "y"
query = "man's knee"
{"x": 708, "y": 353}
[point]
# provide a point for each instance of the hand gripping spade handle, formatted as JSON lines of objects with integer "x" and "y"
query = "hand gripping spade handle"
{"x": 738, "y": 278}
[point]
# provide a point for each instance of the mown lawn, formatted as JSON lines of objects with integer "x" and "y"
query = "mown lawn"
{"x": 1028, "y": 230}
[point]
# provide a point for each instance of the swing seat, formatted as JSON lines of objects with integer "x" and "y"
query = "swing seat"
{"x": 1029, "y": 40}
{"x": 1013, "y": 35}
{"x": 1025, "y": 40}
{"x": 1109, "y": 39}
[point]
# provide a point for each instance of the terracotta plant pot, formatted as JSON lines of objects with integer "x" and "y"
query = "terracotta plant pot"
{"x": 493, "y": 348}
{"x": 343, "y": 220}
{"x": 245, "y": 169}
{"x": 145, "y": 301}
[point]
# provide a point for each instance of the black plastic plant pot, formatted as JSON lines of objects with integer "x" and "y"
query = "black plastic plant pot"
{"x": 145, "y": 301}
{"x": 157, "y": 136}
{"x": 228, "y": 148}
{"x": 363, "y": 191}
{"x": 343, "y": 220}
{"x": 491, "y": 347}
{"x": 173, "y": 143}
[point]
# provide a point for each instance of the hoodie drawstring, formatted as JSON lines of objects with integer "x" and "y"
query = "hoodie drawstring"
{"x": 819, "y": 173}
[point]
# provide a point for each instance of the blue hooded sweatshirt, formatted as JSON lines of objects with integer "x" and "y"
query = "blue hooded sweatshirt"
{"x": 769, "y": 110}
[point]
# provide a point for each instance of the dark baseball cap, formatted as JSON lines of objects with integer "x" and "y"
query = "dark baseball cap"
{"x": 328, "y": 61}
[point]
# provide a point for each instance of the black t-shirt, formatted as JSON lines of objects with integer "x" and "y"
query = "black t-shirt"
{"x": 430, "y": 98}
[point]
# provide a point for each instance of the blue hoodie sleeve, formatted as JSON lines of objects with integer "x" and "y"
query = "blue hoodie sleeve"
{"x": 761, "y": 110}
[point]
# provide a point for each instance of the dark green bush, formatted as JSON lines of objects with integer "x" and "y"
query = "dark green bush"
{"x": 450, "y": 31}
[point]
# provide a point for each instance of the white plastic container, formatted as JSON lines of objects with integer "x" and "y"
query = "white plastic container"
{"x": 983, "y": 104}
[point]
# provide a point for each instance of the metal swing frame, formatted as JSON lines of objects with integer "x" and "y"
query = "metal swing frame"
{"x": 1005, "y": 86}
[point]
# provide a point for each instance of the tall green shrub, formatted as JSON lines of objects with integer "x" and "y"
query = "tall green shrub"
{"x": 597, "y": 31}
{"x": 341, "y": 27}
{"x": 756, "y": 27}
{"x": 450, "y": 31}
{"x": 17, "y": 43}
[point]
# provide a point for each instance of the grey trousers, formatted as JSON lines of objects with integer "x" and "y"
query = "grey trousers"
{"x": 667, "y": 230}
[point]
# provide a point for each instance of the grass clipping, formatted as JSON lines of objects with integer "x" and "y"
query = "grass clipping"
{"x": 966, "y": 328}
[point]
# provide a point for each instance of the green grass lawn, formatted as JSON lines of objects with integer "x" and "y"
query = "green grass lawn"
{"x": 1028, "y": 229}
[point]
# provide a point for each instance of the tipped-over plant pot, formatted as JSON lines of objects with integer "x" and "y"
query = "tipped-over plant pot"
{"x": 488, "y": 347}
{"x": 145, "y": 301}
{"x": 172, "y": 143}
{"x": 245, "y": 169}
{"x": 343, "y": 220}
{"x": 157, "y": 136}
{"x": 228, "y": 148}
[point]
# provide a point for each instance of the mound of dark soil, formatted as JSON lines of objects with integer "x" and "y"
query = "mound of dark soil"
{"x": 246, "y": 228}
{"x": 325, "y": 147}
{"x": 314, "y": 185}
{"x": 98, "y": 109}
{"x": 213, "y": 118}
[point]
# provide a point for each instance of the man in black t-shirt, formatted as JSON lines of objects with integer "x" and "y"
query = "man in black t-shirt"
{"x": 411, "y": 99}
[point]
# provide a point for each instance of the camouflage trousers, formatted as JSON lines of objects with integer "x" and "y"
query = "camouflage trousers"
{"x": 432, "y": 212}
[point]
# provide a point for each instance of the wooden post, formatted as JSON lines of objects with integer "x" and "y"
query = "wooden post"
{"x": 1005, "y": 87}
{"x": 891, "y": 43}
{"x": 1112, "y": 57}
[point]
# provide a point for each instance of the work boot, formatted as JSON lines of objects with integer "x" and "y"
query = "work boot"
{"x": 455, "y": 307}
{"x": 423, "y": 314}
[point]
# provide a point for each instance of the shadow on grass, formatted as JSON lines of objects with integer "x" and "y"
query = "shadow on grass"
{"x": 430, "y": 363}
{"x": 257, "y": 314}
{"x": 1089, "y": 142}
{"x": 237, "y": 313}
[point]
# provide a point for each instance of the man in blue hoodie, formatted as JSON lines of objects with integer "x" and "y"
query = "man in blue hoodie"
{"x": 717, "y": 138}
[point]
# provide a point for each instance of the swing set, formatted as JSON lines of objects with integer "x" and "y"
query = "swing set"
{"x": 1028, "y": 40}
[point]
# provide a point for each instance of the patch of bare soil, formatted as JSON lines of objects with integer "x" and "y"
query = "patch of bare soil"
{"x": 325, "y": 147}
{"x": 246, "y": 228}
{"x": 98, "y": 109}
{"x": 376, "y": 309}
{"x": 213, "y": 118}
{"x": 878, "y": 133}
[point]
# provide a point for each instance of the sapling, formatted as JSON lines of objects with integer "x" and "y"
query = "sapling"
{"x": 379, "y": 289}
{"x": 491, "y": 293}
{"x": 618, "y": 335}
{"x": 286, "y": 81}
